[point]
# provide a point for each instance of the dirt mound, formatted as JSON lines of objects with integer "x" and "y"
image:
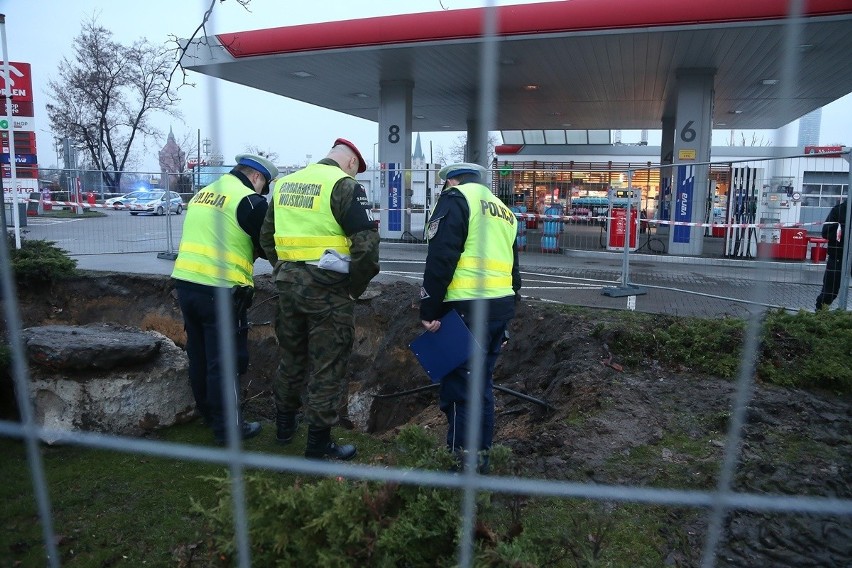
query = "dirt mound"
{"x": 649, "y": 426}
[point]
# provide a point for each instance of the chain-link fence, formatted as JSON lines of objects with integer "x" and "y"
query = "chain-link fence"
{"x": 764, "y": 214}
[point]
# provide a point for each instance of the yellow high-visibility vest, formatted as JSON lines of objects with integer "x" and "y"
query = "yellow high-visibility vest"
{"x": 485, "y": 266}
{"x": 304, "y": 224}
{"x": 207, "y": 256}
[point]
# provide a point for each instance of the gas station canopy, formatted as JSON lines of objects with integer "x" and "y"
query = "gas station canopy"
{"x": 571, "y": 64}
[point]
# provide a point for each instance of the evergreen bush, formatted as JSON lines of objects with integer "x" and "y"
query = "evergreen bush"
{"x": 40, "y": 263}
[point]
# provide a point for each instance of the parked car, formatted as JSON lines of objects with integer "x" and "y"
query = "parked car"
{"x": 123, "y": 201}
{"x": 155, "y": 202}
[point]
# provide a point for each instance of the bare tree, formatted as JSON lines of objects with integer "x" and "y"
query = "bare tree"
{"x": 458, "y": 149}
{"x": 105, "y": 95}
{"x": 181, "y": 44}
{"x": 755, "y": 140}
{"x": 258, "y": 151}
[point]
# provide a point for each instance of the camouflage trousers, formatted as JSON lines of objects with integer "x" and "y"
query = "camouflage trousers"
{"x": 315, "y": 325}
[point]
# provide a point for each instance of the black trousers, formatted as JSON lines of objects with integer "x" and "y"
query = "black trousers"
{"x": 830, "y": 280}
{"x": 198, "y": 305}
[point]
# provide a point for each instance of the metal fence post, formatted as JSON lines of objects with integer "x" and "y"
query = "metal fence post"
{"x": 169, "y": 254}
{"x": 843, "y": 296}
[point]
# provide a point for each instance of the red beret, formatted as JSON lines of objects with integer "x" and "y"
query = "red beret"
{"x": 362, "y": 165}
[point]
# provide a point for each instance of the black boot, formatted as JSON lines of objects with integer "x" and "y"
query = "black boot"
{"x": 320, "y": 446}
{"x": 287, "y": 423}
{"x": 247, "y": 430}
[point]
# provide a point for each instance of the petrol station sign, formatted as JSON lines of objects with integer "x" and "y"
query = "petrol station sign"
{"x": 20, "y": 79}
{"x": 18, "y": 93}
{"x": 824, "y": 151}
{"x": 23, "y": 123}
{"x": 19, "y": 109}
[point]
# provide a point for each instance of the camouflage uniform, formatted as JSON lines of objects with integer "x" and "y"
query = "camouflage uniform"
{"x": 315, "y": 320}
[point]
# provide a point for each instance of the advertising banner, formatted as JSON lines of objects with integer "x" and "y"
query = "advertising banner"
{"x": 682, "y": 212}
{"x": 394, "y": 187}
{"x": 20, "y": 159}
{"x": 24, "y": 187}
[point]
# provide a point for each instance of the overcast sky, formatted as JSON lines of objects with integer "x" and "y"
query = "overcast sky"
{"x": 41, "y": 32}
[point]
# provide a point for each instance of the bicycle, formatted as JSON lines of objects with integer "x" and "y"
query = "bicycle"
{"x": 653, "y": 244}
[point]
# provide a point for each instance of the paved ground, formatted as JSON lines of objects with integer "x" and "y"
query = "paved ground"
{"x": 707, "y": 287}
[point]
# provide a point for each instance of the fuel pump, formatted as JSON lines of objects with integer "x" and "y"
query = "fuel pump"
{"x": 622, "y": 204}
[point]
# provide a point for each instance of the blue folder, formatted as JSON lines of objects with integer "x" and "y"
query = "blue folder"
{"x": 442, "y": 351}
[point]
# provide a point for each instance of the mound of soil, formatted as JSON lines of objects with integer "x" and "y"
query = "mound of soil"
{"x": 649, "y": 426}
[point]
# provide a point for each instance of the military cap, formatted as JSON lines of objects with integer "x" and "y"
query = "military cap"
{"x": 362, "y": 165}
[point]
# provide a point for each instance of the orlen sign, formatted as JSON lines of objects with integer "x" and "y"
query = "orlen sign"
{"x": 21, "y": 79}
{"x": 824, "y": 151}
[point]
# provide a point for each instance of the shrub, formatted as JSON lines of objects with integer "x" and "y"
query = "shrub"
{"x": 39, "y": 263}
{"x": 337, "y": 522}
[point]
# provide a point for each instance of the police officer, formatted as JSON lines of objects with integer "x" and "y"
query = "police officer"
{"x": 324, "y": 246}
{"x": 218, "y": 248}
{"x": 471, "y": 256}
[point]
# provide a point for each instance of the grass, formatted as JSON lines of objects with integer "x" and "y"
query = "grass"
{"x": 116, "y": 509}
{"x": 72, "y": 214}
{"x": 112, "y": 508}
{"x": 803, "y": 350}
{"x": 677, "y": 461}
{"x": 584, "y": 533}
{"x": 108, "y": 507}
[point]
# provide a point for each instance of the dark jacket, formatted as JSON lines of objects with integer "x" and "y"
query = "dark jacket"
{"x": 829, "y": 228}
{"x": 447, "y": 231}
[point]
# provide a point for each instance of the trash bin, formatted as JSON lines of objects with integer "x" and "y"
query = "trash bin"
{"x": 819, "y": 248}
{"x": 22, "y": 214}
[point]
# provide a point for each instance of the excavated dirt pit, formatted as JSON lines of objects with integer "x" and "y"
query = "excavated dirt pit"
{"x": 600, "y": 416}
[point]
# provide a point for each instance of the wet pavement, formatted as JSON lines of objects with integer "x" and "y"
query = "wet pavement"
{"x": 706, "y": 286}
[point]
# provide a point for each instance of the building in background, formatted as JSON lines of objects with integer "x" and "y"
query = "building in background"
{"x": 809, "y": 129}
{"x": 173, "y": 166}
